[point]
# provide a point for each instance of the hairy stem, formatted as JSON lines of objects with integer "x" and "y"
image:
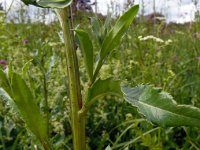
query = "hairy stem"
{"x": 78, "y": 123}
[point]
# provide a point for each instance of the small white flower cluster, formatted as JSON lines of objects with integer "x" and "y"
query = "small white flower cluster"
{"x": 156, "y": 39}
{"x": 159, "y": 40}
{"x": 105, "y": 72}
{"x": 168, "y": 42}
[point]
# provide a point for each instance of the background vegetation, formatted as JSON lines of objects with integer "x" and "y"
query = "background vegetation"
{"x": 165, "y": 55}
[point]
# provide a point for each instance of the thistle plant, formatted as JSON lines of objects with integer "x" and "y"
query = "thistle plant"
{"x": 157, "y": 106}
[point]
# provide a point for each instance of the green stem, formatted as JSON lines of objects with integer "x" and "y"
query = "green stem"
{"x": 82, "y": 118}
{"x": 46, "y": 105}
{"x": 75, "y": 60}
{"x": 78, "y": 123}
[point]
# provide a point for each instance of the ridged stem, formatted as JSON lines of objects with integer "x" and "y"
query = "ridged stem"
{"x": 78, "y": 123}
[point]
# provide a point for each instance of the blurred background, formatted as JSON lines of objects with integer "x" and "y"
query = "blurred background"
{"x": 179, "y": 11}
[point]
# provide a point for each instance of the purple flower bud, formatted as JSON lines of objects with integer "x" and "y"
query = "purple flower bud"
{"x": 3, "y": 63}
{"x": 25, "y": 41}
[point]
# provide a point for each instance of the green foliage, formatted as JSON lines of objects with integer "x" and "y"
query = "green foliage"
{"x": 48, "y": 3}
{"x": 4, "y": 82}
{"x": 97, "y": 29}
{"x": 21, "y": 95}
{"x": 54, "y": 3}
{"x": 102, "y": 88}
{"x": 28, "y": 108}
{"x": 87, "y": 51}
{"x": 30, "y": 2}
{"x": 111, "y": 121}
{"x": 160, "y": 108}
{"x": 114, "y": 36}
{"x": 101, "y": 29}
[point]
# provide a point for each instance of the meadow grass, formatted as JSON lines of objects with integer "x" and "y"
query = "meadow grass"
{"x": 168, "y": 57}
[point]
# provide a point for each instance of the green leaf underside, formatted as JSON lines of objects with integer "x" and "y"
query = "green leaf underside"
{"x": 102, "y": 88}
{"x": 48, "y": 3}
{"x": 114, "y": 36}
{"x": 27, "y": 107}
{"x": 87, "y": 51}
{"x": 54, "y": 3}
{"x": 160, "y": 108}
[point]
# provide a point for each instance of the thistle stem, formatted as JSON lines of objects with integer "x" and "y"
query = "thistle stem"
{"x": 78, "y": 123}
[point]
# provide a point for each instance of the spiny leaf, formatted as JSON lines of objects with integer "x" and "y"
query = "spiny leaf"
{"x": 101, "y": 88}
{"x": 160, "y": 108}
{"x": 87, "y": 50}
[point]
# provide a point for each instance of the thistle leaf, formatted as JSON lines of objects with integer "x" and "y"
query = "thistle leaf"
{"x": 160, "y": 108}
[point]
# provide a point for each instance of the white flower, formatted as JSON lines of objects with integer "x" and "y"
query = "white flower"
{"x": 139, "y": 37}
{"x": 168, "y": 42}
{"x": 156, "y": 39}
{"x": 105, "y": 71}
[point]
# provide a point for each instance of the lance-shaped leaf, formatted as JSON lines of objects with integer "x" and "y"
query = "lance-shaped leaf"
{"x": 48, "y": 3}
{"x": 87, "y": 51}
{"x": 101, "y": 88}
{"x": 26, "y": 104}
{"x": 160, "y": 108}
{"x": 112, "y": 39}
{"x": 114, "y": 36}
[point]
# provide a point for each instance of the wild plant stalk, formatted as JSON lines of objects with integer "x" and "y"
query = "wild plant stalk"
{"x": 78, "y": 121}
{"x": 46, "y": 105}
{"x": 149, "y": 100}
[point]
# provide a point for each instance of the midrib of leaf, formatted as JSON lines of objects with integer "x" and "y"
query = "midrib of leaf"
{"x": 168, "y": 111}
